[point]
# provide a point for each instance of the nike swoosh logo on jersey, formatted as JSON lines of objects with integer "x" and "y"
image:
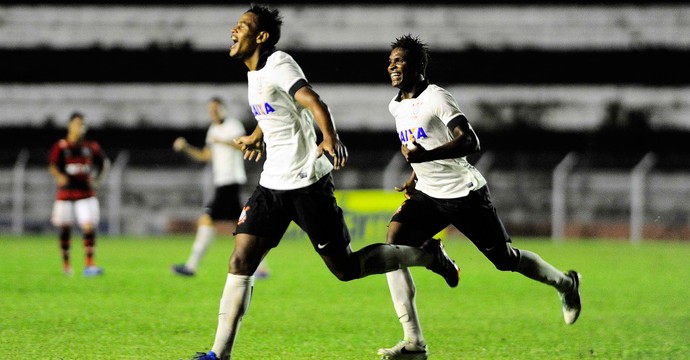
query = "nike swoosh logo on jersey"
{"x": 322, "y": 246}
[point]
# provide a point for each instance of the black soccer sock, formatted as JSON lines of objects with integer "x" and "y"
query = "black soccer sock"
{"x": 65, "y": 244}
{"x": 534, "y": 267}
{"x": 381, "y": 258}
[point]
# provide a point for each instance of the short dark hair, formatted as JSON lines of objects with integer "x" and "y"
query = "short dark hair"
{"x": 75, "y": 115}
{"x": 217, "y": 99}
{"x": 417, "y": 50}
{"x": 268, "y": 20}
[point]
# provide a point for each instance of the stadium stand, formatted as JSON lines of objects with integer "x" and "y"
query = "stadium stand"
{"x": 454, "y": 27}
{"x": 607, "y": 80}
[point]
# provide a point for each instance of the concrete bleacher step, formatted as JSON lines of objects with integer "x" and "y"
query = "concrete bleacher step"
{"x": 355, "y": 107}
{"x": 354, "y": 26}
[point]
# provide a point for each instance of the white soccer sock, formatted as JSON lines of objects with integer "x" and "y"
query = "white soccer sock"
{"x": 233, "y": 305}
{"x": 534, "y": 267}
{"x": 403, "y": 292}
{"x": 204, "y": 237}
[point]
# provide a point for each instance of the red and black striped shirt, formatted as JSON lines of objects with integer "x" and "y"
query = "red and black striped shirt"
{"x": 78, "y": 161}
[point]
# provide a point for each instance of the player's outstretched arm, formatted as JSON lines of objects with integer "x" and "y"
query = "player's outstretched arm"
{"x": 202, "y": 155}
{"x": 59, "y": 176}
{"x": 331, "y": 142}
{"x": 231, "y": 144}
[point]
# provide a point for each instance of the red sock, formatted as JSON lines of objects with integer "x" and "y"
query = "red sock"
{"x": 89, "y": 245}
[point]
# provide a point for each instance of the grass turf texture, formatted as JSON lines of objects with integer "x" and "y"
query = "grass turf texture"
{"x": 635, "y": 304}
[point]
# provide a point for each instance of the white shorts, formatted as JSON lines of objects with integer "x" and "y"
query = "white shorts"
{"x": 86, "y": 211}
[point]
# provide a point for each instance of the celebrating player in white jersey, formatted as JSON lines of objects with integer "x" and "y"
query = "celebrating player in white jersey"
{"x": 444, "y": 189}
{"x": 296, "y": 182}
{"x": 228, "y": 177}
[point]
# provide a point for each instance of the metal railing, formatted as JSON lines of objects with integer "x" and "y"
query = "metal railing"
{"x": 638, "y": 176}
{"x": 144, "y": 201}
{"x": 18, "y": 192}
{"x": 559, "y": 196}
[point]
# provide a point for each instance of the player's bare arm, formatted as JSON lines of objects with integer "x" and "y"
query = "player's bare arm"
{"x": 331, "y": 142}
{"x": 409, "y": 186}
{"x": 465, "y": 142}
{"x": 59, "y": 176}
{"x": 232, "y": 143}
{"x": 252, "y": 145}
{"x": 181, "y": 145}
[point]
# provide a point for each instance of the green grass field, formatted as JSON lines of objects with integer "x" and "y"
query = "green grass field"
{"x": 635, "y": 304}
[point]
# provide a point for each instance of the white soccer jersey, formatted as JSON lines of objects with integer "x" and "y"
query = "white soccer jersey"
{"x": 288, "y": 128}
{"x": 227, "y": 161}
{"x": 426, "y": 118}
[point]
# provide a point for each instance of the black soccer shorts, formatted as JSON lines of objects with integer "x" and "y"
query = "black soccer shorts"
{"x": 474, "y": 215}
{"x": 313, "y": 208}
{"x": 226, "y": 204}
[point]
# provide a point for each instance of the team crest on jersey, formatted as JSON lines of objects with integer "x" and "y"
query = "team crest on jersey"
{"x": 415, "y": 109}
{"x": 262, "y": 109}
{"x": 243, "y": 215}
{"x": 400, "y": 208}
{"x": 418, "y": 133}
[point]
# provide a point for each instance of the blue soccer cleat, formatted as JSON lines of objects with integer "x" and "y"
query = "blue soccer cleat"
{"x": 93, "y": 270}
{"x": 205, "y": 356}
{"x": 181, "y": 269}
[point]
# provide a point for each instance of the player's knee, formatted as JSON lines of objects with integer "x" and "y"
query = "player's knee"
{"x": 347, "y": 275}
{"x": 88, "y": 229}
{"x": 396, "y": 234}
{"x": 504, "y": 258}
{"x": 65, "y": 233}
{"x": 505, "y": 265}
{"x": 240, "y": 266}
{"x": 349, "y": 271}
{"x": 205, "y": 220}
{"x": 392, "y": 237}
{"x": 89, "y": 238}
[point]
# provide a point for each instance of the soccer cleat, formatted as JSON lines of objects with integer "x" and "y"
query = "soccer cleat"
{"x": 67, "y": 270}
{"x": 404, "y": 350}
{"x": 205, "y": 356}
{"x": 181, "y": 269}
{"x": 571, "y": 299}
{"x": 442, "y": 264}
{"x": 93, "y": 270}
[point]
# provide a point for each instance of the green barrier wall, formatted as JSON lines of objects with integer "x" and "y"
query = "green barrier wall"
{"x": 367, "y": 213}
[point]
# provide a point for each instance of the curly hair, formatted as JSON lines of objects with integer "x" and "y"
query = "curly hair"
{"x": 268, "y": 20}
{"x": 417, "y": 50}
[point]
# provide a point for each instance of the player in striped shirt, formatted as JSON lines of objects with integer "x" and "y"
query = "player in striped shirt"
{"x": 444, "y": 189}
{"x": 77, "y": 165}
